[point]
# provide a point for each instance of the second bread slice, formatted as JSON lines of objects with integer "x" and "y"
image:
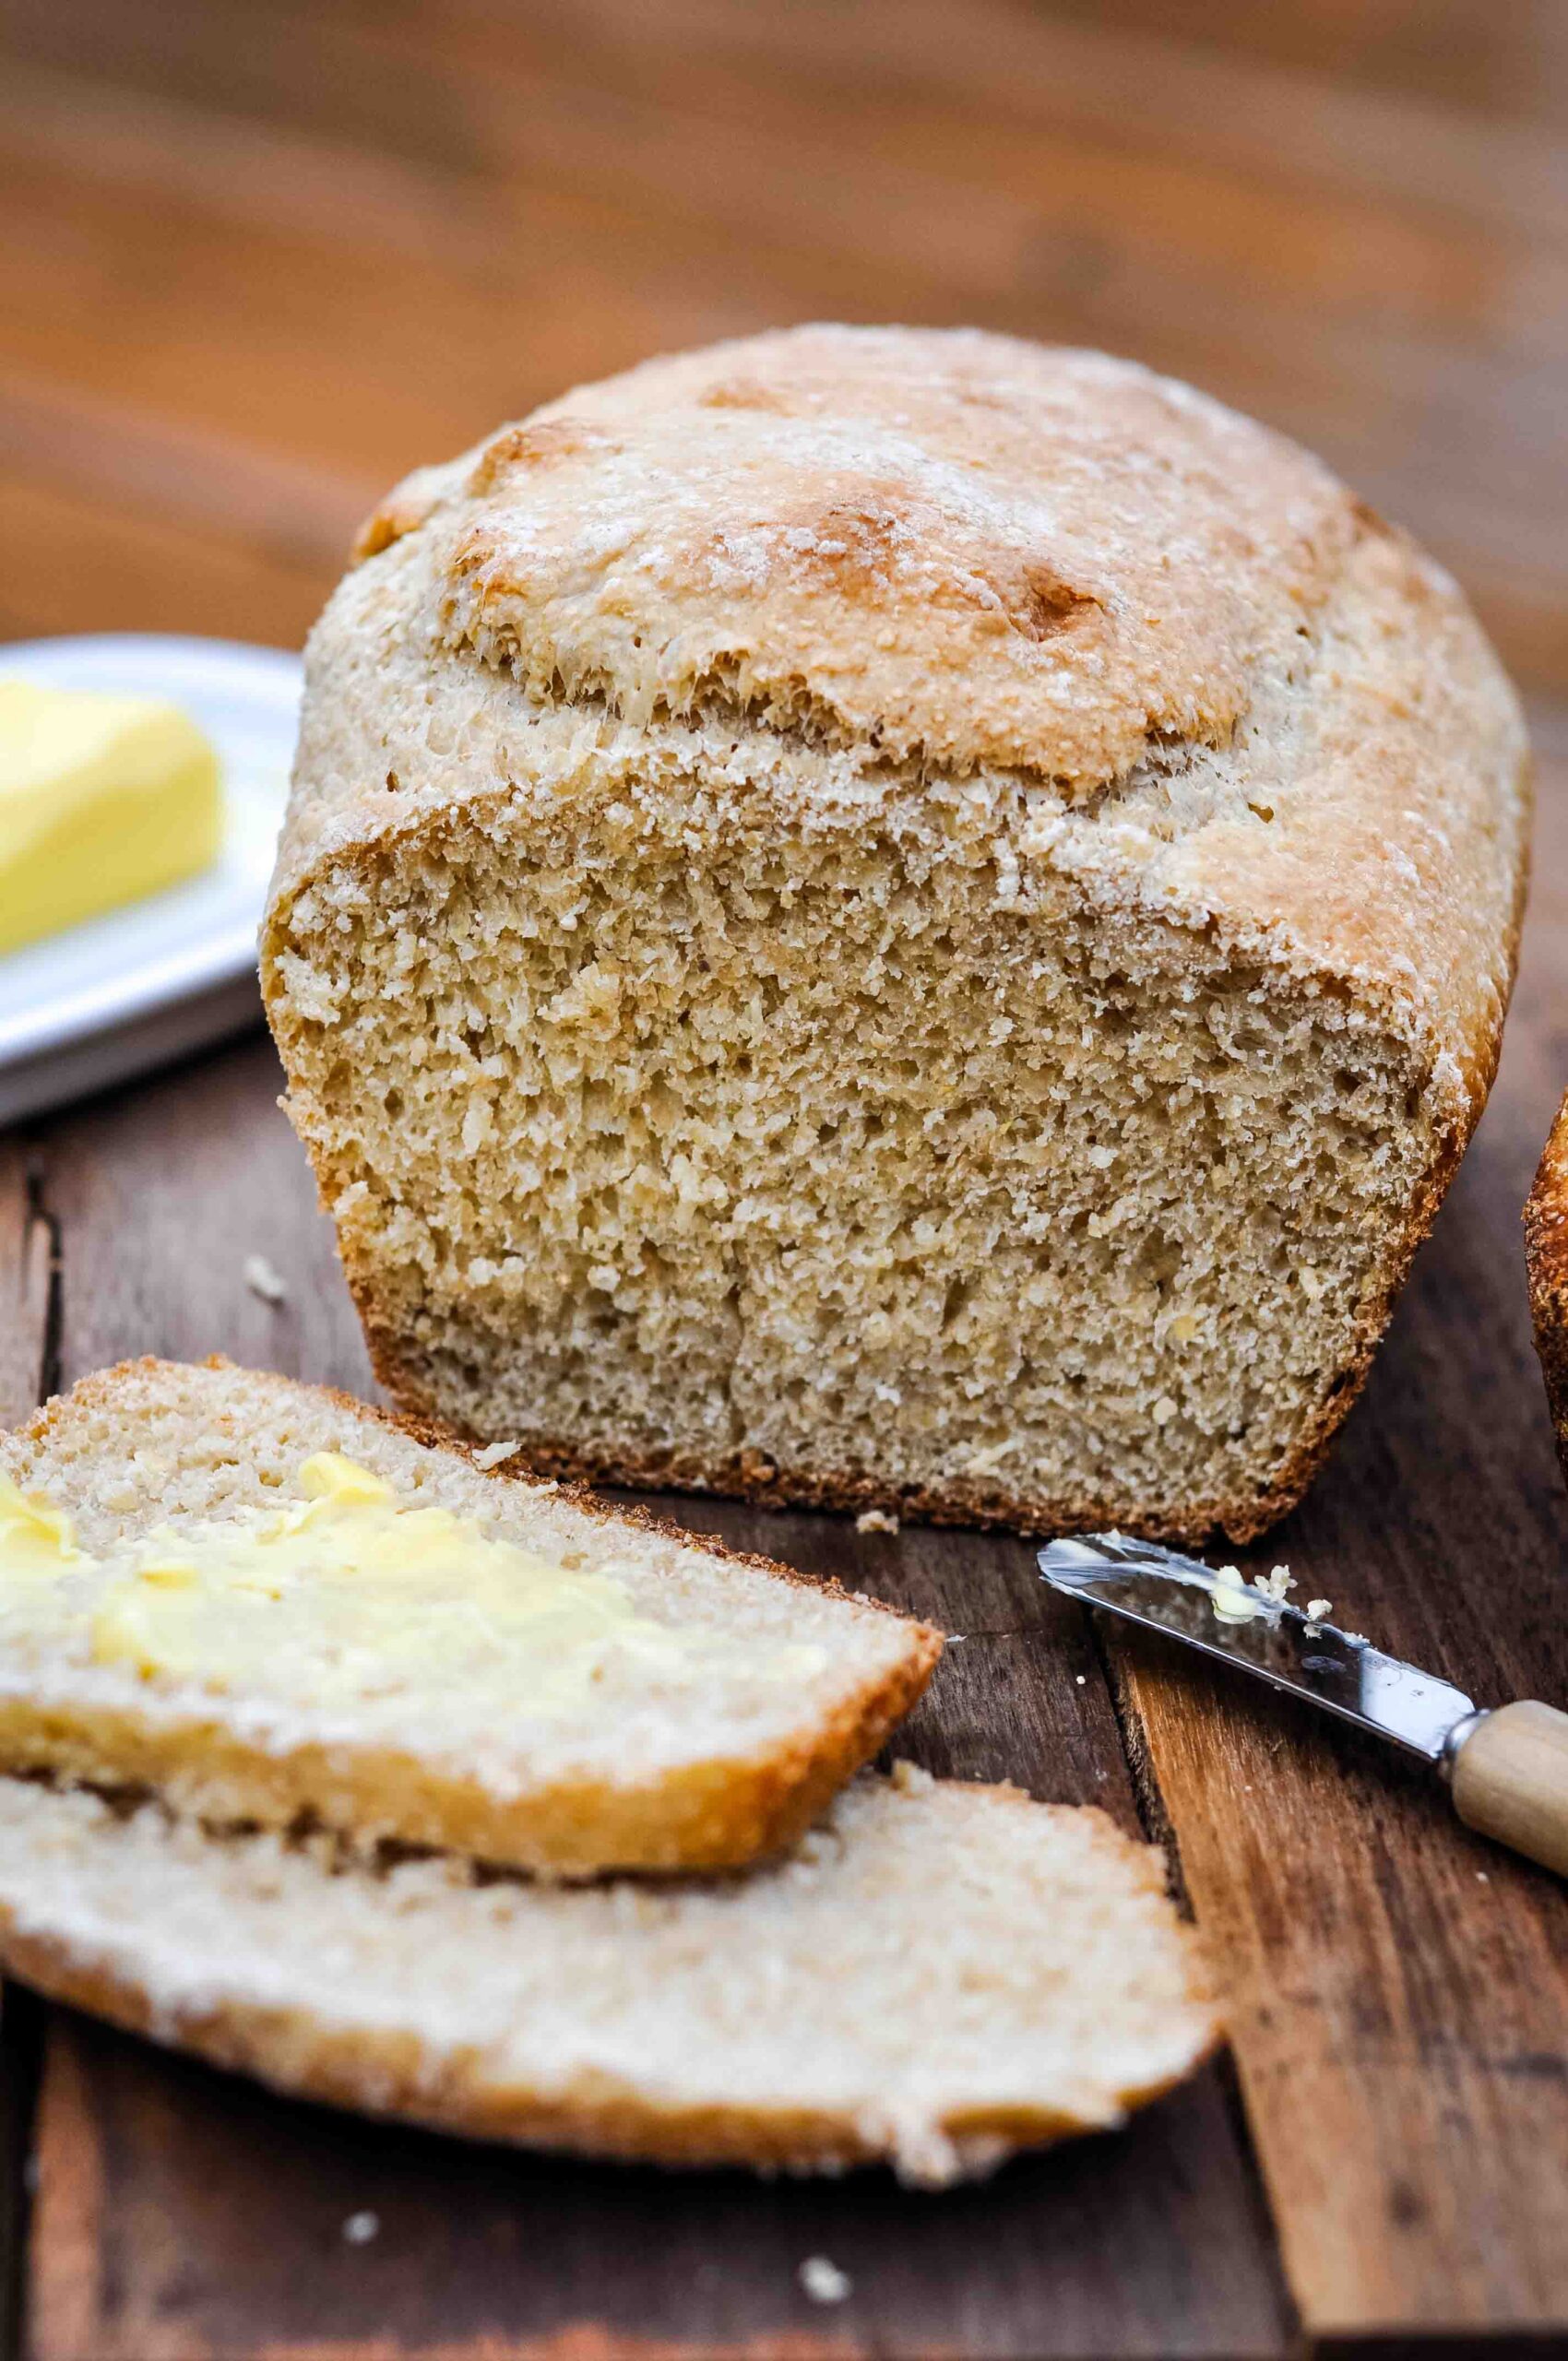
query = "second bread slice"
{"x": 264, "y": 1602}
{"x": 939, "y": 1974}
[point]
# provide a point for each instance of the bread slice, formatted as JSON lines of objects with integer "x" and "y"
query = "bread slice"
{"x": 941, "y": 1974}
{"x": 898, "y": 919}
{"x": 663, "y": 1751}
{"x": 1546, "y": 1256}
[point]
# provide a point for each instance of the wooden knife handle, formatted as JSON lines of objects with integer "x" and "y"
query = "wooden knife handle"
{"x": 1510, "y": 1780}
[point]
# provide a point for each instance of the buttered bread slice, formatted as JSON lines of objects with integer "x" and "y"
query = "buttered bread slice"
{"x": 267, "y": 1603}
{"x": 939, "y": 1974}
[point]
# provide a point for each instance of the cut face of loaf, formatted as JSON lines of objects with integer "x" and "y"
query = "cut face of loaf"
{"x": 268, "y": 1603}
{"x": 894, "y": 918}
{"x": 940, "y": 1975}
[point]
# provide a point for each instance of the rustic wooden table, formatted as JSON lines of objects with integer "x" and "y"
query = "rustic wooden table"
{"x": 261, "y": 257}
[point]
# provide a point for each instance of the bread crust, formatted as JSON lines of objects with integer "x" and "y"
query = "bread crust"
{"x": 899, "y": 599}
{"x": 722, "y": 1814}
{"x": 1546, "y": 1261}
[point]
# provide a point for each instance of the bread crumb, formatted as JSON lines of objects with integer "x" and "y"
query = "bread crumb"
{"x": 1080, "y": 1677}
{"x": 823, "y": 2280}
{"x": 951, "y": 1636}
{"x": 264, "y": 1281}
{"x": 876, "y": 1521}
{"x": 1319, "y": 1610}
{"x": 494, "y": 1453}
{"x": 360, "y": 2229}
{"x": 1481, "y": 1877}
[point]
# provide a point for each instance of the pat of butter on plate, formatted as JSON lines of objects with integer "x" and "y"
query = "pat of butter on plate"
{"x": 104, "y": 800}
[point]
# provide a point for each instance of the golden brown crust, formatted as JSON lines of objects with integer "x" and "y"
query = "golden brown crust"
{"x": 723, "y": 1814}
{"x": 719, "y": 1814}
{"x": 908, "y": 534}
{"x": 1546, "y": 1260}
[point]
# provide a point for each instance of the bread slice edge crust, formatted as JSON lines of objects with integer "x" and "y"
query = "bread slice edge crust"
{"x": 1546, "y": 1261}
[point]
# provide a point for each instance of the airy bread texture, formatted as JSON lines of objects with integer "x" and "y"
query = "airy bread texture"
{"x": 1546, "y": 1256}
{"x": 649, "y": 1770}
{"x": 941, "y": 1974}
{"x": 894, "y": 918}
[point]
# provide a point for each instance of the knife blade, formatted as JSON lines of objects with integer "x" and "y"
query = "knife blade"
{"x": 1508, "y": 1768}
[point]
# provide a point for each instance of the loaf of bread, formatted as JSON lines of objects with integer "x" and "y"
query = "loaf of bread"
{"x": 1546, "y": 1256}
{"x": 473, "y": 1661}
{"x": 941, "y": 1974}
{"x": 898, "y": 920}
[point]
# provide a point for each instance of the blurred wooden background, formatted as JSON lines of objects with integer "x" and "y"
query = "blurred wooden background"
{"x": 259, "y": 257}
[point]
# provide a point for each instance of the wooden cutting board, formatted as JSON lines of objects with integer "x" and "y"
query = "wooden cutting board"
{"x": 1385, "y": 2158}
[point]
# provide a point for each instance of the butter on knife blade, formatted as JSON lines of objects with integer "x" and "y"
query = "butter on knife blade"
{"x": 1508, "y": 1769}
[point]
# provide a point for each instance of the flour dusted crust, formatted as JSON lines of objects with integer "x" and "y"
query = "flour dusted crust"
{"x": 1546, "y": 1256}
{"x": 944, "y": 1975}
{"x": 1152, "y": 666}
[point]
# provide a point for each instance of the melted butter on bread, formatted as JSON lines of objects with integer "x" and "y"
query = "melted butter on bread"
{"x": 347, "y": 1592}
{"x": 36, "y": 1538}
{"x": 270, "y": 1609}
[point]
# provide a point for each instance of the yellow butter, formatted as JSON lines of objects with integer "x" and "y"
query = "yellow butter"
{"x": 1233, "y": 1601}
{"x": 348, "y": 1594}
{"x": 35, "y": 1537}
{"x": 102, "y": 798}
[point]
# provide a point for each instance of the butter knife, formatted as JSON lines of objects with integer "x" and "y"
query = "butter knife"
{"x": 1507, "y": 1769}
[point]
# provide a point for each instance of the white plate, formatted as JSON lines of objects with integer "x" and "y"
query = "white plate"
{"x": 108, "y": 998}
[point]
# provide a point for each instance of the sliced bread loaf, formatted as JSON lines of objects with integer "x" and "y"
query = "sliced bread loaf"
{"x": 1546, "y": 1256}
{"x": 939, "y": 1974}
{"x": 263, "y": 1600}
{"x": 898, "y": 919}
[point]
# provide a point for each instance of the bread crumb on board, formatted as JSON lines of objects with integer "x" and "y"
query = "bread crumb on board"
{"x": 823, "y": 2280}
{"x": 360, "y": 2229}
{"x": 876, "y": 1521}
{"x": 264, "y": 1281}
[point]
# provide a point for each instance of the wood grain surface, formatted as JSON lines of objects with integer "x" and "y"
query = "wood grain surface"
{"x": 259, "y": 257}
{"x": 1401, "y": 2025}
